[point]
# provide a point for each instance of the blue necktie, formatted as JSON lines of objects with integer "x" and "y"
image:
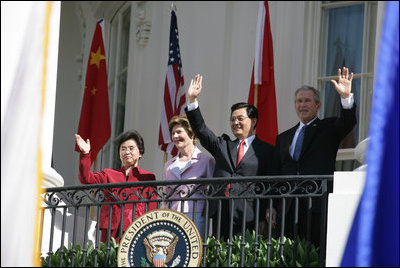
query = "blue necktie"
{"x": 299, "y": 144}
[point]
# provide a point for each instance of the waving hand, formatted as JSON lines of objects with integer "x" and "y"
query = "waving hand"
{"x": 195, "y": 88}
{"x": 343, "y": 85}
{"x": 83, "y": 146}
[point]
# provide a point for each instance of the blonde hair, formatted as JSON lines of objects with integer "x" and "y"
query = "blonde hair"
{"x": 181, "y": 120}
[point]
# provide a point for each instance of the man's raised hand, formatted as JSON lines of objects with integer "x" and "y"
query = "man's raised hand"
{"x": 343, "y": 85}
{"x": 194, "y": 88}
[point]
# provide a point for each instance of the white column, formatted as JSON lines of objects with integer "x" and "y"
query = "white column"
{"x": 342, "y": 206}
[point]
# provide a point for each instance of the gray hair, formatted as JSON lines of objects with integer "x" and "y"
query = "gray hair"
{"x": 317, "y": 94}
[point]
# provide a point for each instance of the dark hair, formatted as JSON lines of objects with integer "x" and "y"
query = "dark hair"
{"x": 250, "y": 109}
{"x": 132, "y": 135}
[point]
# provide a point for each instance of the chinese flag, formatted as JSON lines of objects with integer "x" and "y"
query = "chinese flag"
{"x": 94, "y": 123}
{"x": 263, "y": 77}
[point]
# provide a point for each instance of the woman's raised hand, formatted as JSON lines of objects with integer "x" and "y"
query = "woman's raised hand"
{"x": 83, "y": 146}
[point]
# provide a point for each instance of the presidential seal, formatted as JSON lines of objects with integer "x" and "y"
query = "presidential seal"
{"x": 161, "y": 238}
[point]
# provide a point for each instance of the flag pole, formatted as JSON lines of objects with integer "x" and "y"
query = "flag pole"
{"x": 173, "y": 7}
{"x": 255, "y": 95}
{"x": 93, "y": 196}
{"x": 163, "y": 194}
{"x": 165, "y": 157}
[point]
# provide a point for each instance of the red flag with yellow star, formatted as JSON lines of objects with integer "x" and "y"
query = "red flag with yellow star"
{"x": 94, "y": 123}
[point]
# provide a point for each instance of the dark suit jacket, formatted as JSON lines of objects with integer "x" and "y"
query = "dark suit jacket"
{"x": 317, "y": 157}
{"x": 257, "y": 161}
{"x": 320, "y": 145}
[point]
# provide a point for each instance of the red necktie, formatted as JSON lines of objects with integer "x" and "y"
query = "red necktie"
{"x": 239, "y": 158}
{"x": 240, "y": 153}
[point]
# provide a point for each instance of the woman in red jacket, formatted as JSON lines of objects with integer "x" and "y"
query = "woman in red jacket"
{"x": 131, "y": 149}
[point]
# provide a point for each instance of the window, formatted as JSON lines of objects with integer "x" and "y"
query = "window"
{"x": 117, "y": 81}
{"x": 348, "y": 39}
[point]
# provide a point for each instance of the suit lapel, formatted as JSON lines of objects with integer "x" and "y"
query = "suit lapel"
{"x": 174, "y": 168}
{"x": 288, "y": 142}
{"x": 311, "y": 130}
{"x": 233, "y": 152}
{"x": 250, "y": 151}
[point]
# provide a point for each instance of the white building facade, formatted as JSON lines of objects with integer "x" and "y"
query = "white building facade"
{"x": 310, "y": 39}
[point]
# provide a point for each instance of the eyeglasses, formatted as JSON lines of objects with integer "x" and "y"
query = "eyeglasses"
{"x": 240, "y": 118}
{"x": 126, "y": 149}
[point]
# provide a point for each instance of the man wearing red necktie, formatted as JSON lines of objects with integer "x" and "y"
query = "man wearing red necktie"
{"x": 247, "y": 155}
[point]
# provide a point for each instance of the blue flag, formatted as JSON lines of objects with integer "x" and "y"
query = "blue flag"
{"x": 374, "y": 237}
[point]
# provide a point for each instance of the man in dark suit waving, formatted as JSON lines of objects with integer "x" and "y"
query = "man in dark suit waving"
{"x": 310, "y": 147}
{"x": 247, "y": 155}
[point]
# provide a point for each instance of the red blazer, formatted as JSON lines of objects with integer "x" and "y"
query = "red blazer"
{"x": 118, "y": 176}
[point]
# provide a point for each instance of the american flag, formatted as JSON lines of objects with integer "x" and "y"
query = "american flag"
{"x": 174, "y": 91}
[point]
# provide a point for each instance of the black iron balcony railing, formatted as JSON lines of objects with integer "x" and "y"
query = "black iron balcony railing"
{"x": 300, "y": 203}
